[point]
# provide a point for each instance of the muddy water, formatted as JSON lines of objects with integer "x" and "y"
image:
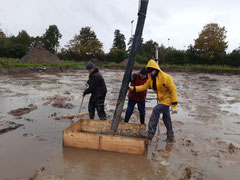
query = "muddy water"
{"x": 207, "y": 130}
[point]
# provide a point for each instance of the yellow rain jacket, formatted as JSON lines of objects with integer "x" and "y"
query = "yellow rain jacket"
{"x": 166, "y": 89}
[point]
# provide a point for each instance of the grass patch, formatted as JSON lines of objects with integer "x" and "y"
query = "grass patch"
{"x": 113, "y": 64}
{"x": 117, "y": 65}
{"x": 10, "y": 63}
{"x": 201, "y": 67}
{"x": 219, "y": 68}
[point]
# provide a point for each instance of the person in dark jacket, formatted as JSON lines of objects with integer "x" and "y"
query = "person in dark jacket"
{"x": 98, "y": 91}
{"x": 138, "y": 98}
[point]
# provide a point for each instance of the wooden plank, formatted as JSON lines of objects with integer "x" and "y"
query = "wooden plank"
{"x": 96, "y": 126}
{"x": 75, "y": 115}
{"x": 81, "y": 140}
{"x": 96, "y": 134}
{"x": 100, "y": 143}
{"x": 76, "y": 127}
{"x": 123, "y": 144}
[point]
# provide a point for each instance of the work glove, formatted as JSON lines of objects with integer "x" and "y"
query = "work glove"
{"x": 174, "y": 109}
{"x": 132, "y": 88}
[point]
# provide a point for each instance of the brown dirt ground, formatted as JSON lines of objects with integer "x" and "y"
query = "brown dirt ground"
{"x": 206, "y": 130}
{"x": 41, "y": 56}
{"x": 22, "y": 111}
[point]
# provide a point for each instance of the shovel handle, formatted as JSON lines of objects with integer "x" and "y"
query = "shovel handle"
{"x": 80, "y": 108}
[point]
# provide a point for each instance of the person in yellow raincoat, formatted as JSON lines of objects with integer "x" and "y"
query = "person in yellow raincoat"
{"x": 162, "y": 84}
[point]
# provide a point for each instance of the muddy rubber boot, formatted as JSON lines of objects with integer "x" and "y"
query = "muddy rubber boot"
{"x": 126, "y": 120}
{"x": 103, "y": 118}
{"x": 146, "y": 134}
{"x": 170, "y": 139}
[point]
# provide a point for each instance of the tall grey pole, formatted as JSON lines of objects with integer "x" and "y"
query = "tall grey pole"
{"x": 128, "y": 71}
{"x": 156, "y": 54}
{"x": 131, "y": 26}
{"x": 168, "y": 43}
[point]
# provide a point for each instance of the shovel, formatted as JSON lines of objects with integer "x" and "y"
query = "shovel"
{"x": 80, "y": 108}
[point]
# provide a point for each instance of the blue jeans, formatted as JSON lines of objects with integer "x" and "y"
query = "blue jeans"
{"x": 130, "y": 108}
{"x": 154, "y": 119}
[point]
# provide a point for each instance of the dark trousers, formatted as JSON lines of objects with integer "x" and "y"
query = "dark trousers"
{"x": 130, "y": 108}
{"x": 154, "y": 119}
{"x": 97, "y": 103}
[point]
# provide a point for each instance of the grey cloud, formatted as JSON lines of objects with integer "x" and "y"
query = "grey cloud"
{"x": 181, "y": 21}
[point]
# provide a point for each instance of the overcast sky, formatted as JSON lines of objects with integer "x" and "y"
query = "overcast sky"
{"x": 179, "y": 21}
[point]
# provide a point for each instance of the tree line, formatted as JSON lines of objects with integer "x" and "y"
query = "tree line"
{"x": 17, "y": 46}
{"x": 209, "y": 48}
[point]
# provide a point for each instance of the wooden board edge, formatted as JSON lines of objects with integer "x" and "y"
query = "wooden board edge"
{"x": 126, "y": 145}
{"x": 75, "y": 115}
{"x": 81, "y": 140}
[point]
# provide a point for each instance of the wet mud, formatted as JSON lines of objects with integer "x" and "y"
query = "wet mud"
{"x": 6, "y": 126}
{"x": 206, "y": 127}
{"x": 60, "y": 102}
{"x": 22, "y": 111}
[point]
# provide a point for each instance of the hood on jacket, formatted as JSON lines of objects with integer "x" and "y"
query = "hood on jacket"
{"x": 152, "y": 64}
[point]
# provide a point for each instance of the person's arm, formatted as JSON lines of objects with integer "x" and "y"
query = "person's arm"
{"x": 133, "y": 77}
{"x": 143, "y": 87}
{"x": 92, "y": 83}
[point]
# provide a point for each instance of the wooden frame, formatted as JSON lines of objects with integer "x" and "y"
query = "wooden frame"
{"x": 96, "y": 134}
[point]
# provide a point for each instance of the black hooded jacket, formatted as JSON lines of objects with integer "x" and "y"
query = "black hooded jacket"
{"x": 97, "y": 86}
